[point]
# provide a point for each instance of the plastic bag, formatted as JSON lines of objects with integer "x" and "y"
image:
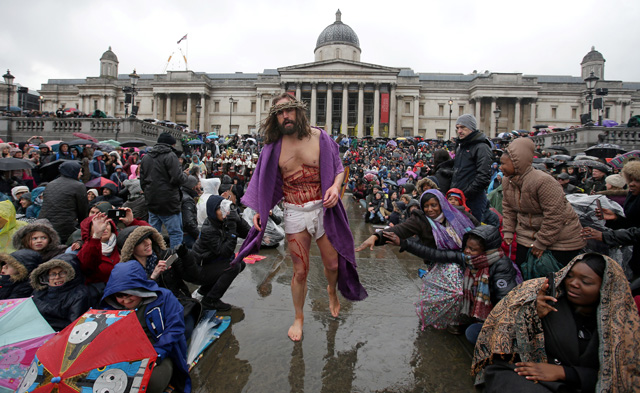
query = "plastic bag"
{"x": 539, "y": 267}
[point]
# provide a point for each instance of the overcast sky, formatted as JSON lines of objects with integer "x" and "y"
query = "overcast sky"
{"x": 45, "y": 39}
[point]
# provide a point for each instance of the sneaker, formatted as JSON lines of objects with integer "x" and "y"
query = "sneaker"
{"x": 218, "y": 305}
{"x": 196, "y": 295}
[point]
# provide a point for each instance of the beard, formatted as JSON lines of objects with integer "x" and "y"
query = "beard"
{"x": 289, "y": 127}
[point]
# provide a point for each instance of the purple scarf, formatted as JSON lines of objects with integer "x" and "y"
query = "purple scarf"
{"x": 265, "y": 190}
{"x": 460, "y": 223}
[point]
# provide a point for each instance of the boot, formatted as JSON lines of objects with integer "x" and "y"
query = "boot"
{"x": 218, "y": 304}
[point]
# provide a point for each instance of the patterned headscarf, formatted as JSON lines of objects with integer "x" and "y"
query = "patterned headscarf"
{"x": 457, "y": 220}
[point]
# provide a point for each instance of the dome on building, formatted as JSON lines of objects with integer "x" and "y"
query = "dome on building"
{"x": 338, "y": 33}
{"x": 109, "y": 55}
{"x": 593, "y": 55}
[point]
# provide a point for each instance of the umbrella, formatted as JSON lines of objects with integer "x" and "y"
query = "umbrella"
{"x": 561, "y": 157}
{"x": 605, "y": 150}
{"x": 50, "y": 170}
{"x": 208, "y": 330}
{"x": 52, "y": 143}
{"x": 403, "y": 181}
{"x": 104, "y": 147}
{"x": 252, "y": 140}
{"x": 619, "y": 161}
{"x": 539, "y": 126}
{"x": 392, "y": 143}
{"x": 195, "y": 142}
{"x": 111, "y": 142}
{"x": 591, "y": 164}
{"x": 133, "y": 143}
{"x": 441, "y": 296}
{"x": 391, "y": 182}
{"x": 80, "y": 142}
{"x": 82, "y": 135}
{"x": 370, "y": 177}
{"x": 212, "y": 137}
{"x": 564, "y": 150}
{"x": 69, "y": 110}
{"x": 410, "y": 173}
{"x": 422, "y": 143}
{"x": 22, "y": 331}
{"x": 14, "y": 164}
{"x": 98, "y": 182}
{"x": 586, "y": 157}
{"x": 83, "y": 356}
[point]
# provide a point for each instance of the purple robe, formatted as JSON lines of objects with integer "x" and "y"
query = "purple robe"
{"x": 265, "y": 190}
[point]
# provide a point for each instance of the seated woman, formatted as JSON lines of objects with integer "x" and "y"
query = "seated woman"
{"x": 41, "y": 237}
{"x": 14, "y": 273}
{"x": 161, "y": 317}
{"x": 586, "y": 340}
{"x": 59, "y": 291}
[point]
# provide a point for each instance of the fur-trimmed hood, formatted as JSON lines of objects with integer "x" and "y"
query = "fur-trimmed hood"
{"x": 41, "y": 225}
{"x": 24, "y": 261}
{"x": 129, "y": 236}
{"x": 44, "y": 269}
{"x": 622, "y": 193}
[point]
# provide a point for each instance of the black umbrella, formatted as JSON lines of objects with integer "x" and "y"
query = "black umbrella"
{"x": 539, "y": 126}
{"x": 14, "y": 164}
{"x": 561, "y": 157}
{"x": 605, "y": 150}
{"x": 133, "y": 143}
{"x": 564, "y": 150}
{"x": 591, "y": 164}
{"x": 80, "y": 142}
{"x": 50, "y": 171}
{"x": 391, "y": 182}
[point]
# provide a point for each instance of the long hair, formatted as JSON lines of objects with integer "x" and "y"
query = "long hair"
{"x": 271, "y": 129}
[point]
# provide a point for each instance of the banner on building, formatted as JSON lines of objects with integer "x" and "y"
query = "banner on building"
{"x": 384, "y": 108}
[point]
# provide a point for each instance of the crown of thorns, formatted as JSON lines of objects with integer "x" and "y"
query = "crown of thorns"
{"x": 287, "y": 105}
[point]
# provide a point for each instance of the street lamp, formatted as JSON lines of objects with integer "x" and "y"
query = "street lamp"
{"x": 41, "y": 101}
{"x": 230, "y": 112}
{"x": 591, "y": 84}
{"x": 198, "y": 110}
{"x": 134, "y": 82}
{"x": 450, "y": 111}
{"x": 496, "y": 113}
{"x": 8, "y": 79}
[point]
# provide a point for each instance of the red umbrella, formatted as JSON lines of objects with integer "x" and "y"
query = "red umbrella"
{"x": 83, "y": 356}
{"x": 69, "y": 110}
{"x": 85, "y": 136}
{"x": 99, "y": 182}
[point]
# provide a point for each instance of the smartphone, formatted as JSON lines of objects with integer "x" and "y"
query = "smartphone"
{"x": 599, "y": 205}
{"x": 116, "y": 213}
{"x": 551, "y": 291}
{"x": 171, "y": 260}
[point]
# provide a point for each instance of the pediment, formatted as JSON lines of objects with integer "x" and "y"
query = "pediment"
{"x": 334, "y": 66}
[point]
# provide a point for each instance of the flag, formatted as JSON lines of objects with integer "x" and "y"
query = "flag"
{"x": 183, "y": 38}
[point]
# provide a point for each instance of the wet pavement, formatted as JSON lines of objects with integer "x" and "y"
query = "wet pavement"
{"x": 375, "y": 345}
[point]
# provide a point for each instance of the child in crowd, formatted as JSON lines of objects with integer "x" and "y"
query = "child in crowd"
{"x": 14, "y": 273}
{"x": 456, "y": 197}
{"x": 374, "y": 215}
{"x": 41, "y": 237}
{"x": 33, "y": 211}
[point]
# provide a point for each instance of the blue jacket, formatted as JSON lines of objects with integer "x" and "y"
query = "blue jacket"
{"x": 164, "y": 315}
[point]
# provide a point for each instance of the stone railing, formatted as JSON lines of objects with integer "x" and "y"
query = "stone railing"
{"x": 19, "y": 129}
{"x": 579, "y": 139}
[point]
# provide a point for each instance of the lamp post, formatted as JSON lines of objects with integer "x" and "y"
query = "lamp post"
{"x": 133, "y": 77}
{"x": 450, "y": 111}
{"x": 496, "y": 113}
{"x": 8, "y": 79}
{"x": 41, "y": 101}
{"x": 230, "y": 112}
{"x": 591, "y": 84}
{"x": 198, "y": 110}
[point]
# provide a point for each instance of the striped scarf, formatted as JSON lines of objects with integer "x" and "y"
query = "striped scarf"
{"x": 476, "y": 299}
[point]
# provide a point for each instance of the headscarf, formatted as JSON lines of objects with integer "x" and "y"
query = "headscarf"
{"x": 492, "y": 183}
{"x": 513, "y": 327}
{"x": 455, "y": 219}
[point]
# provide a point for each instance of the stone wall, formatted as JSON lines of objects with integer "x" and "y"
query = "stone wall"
{"x": 579, "y": 139}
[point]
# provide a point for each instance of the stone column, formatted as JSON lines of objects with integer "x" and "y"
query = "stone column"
{"x": 516, "y": 118}
{"x": 329, "y": 114}
{"x": 533, "y": 113}
{"x": 492, "y": 126}
{"x": 619, "y": 113}
{"x": 314, "y": 103}
{"x": 168, "y": 109}
{"x": 345, "y": 109}
{"x": 376, "y": 111}
{"x": 298, "y": 92}
{"x": 113, "y": 105}
{"x": 259, "y": 109}
{"x": 189, "y": 112}
{"x": 400, "y": 109}
{"x": 155, "y": 105}
{"x": 416, "y": 115}
{"x": 202, "y": 112}
{"x": 393, "y": 109}
{"x": 361, "y": 132}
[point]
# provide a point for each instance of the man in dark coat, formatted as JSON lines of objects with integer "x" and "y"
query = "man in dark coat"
{"x": 65, "y": 202}
{"x": 472, "y": 167}
{"x": 161, "y": 178}
{"x": 189, "y": 211}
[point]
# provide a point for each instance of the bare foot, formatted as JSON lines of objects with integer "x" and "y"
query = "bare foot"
{"x": 334, "y": 303}
{"x": 295, "y": 331}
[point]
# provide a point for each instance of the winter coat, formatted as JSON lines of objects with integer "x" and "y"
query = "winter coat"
{"x": 209, "y": 187}
{"x": 534, "y": 205}
{"x": 472, "y": 166}
{"x": 65, "y": 202}
{"x": 161, "y": 179}
{"x": 113, "y": 199}
{"x": 189, "y": 213}
{"x": 8, "y": 213}
{"x": 33, "y": 211}
{"x": 218, "y": 240}
{"x": 119, "y": 178}
{"x": 17, "y": 285}
{"x": 96, "y": 267}
{"x": 54, "y": 247}
{"x": 502, "y": 274}
{"x": 97, "y": 168}
{"x": 62, "y": 305}
{"x": 443, "y": 175}
{"x": 163, "y": 316}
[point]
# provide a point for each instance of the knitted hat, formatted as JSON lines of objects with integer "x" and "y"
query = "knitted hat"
{"x": 93, "y": 191}
{"x": 191, "y": 182}
{"x": 103, "y": 206}
{"x": 615, "y": 181}
{"x": 468, "y": 121}
{"x": 167, "y": 138}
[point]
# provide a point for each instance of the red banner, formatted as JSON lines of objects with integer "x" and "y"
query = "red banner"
{"x": 384, "y": 108}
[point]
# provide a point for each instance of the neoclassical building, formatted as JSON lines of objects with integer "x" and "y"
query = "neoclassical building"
{"x": 346, "y": 95}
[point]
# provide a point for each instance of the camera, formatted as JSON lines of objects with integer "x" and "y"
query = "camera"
{"x": 116, "y": 213}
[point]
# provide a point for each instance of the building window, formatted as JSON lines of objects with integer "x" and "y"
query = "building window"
{"x": 153, "y": 102}
{"x": 121, "y": 106}
{"x": 234, "y": 129}
{"x": 406, "y": 132}
{"x": 440, "y": 110}
{"x": 574, "y": 113}
{"x": 216, "y": 106}
{"x": 422, "y": 132}
{"x": 95, "y": 105}
{"x": 265, "y": 106}
{"x": 440, "y": 133}
{"x": 184, "y": 106}
{"x": 607, "y": 112}
{"x": 215, "y": 128}
{"x": 235, "y": 107}
{"x": 253, "y": 107}
{"x": 554, "y": 112}
{"x": 407, "y": 107}
{"x": 421, "y": 109}
{"x": 460, "y": 110}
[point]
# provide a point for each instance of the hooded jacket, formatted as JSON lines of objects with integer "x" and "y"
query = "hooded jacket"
{"x": 8, "y": 213}
{"x": 96, "y": 266}
{"x": 65, "y": 202}
{"x": 97, "y": 167}
{"x": 113, "y": 199}
{"x": 17, "y": 285}
{"x": 534, "y": 205}
{"x": 161, "y": 178}
{"x": 51, "y": 250}
{"x": 209, "y": 187}
{"x": 190, "y": 212}
{"x": 62, "y": 305}
{"x": 163, "y": 315}
{"x": 33, "y": 211}
{"x": 472, "y": 166}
